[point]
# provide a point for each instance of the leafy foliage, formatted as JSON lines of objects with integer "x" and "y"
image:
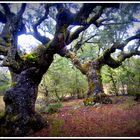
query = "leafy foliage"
{"x": 63, "y": 79}
{"x": 52, "y": 108}
{"x": 4, "y": 80}
{"x": 127, "y": 74}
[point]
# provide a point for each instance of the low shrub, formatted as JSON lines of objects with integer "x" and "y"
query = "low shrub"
{"x": 52, "y": 108}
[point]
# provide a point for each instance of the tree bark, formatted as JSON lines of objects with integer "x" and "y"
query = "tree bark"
{"x": 92, "y": 70}
{"x": 95, "y": 86}
{"x": 94, "y": 80}
{"x": 20, "y": 115}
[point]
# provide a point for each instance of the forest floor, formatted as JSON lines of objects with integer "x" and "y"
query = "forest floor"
{"x": 120, "y": 119}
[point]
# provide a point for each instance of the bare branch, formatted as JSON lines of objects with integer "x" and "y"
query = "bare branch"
{"x": 82, "y": 18}
{"x": 6, "y": 8}
{"x": 99, "y": 22}
{"x": 109, "y": 24}
{"x": 42, "y": 18}
{"x": 96, "y": 16}
{"x": 86, "y": 24}
{"x": 2, "y": 18}
{"x": 74, "y": 35}
{"x": 83, "y": 14}
{"x": 120, "y": 46}
{"x": 22, "y": 9}
{"x": 112, "y": 62}
{"x": 95, "y": 42}
{"x": 137, "y": 36}
{"x": 60, "y": 37}
{"x": 109, "y": 5}
{"x": 80, "y": 43}
{"x": 107, "y": 59}
{"x": 76, "y": 62}
{"x": 36, "y": 34}
{"x": 116, "y": 63}
{"x": 90, "y": 38}
{"x": 124, "y": 56}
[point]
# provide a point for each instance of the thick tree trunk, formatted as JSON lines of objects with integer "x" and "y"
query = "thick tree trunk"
{"x": 20, "y": 116}
{"x": 95, "y": 86}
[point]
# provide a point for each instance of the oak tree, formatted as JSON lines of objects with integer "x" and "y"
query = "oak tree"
{"x": 27, "y": 70}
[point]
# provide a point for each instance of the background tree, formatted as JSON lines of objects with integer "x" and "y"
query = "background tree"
{"x": 111, "y": 35}
{"x": 69, "y": 82}
{"x": 27, "y": 70}
{"x": 124, "y": 76}
{"x": 5, "y": 80}
{"x": 109, "y": 78}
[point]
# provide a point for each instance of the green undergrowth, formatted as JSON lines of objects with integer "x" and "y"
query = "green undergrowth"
{"x": 129, "y": 103}
{"x": 56, "y": 127}
{"x": 1, "y": 113}
{"x": 51, "y": 108}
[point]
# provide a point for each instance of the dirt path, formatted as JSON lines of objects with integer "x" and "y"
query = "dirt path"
{"x": 120, "y": 119}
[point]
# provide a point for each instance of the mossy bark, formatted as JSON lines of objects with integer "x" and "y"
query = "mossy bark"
{"x": 94, "y": 80}
{"x": 95, "y": 86}
{"x": 20, "y": 116}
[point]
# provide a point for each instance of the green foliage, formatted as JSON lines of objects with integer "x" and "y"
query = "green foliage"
{"x": 53, "y": 107}
{"x": 89, "y": 102}
{"x": 56, "y": 127}
{"x": 129, "y": 103}
{"x": 1, "y": 113}
{"x": 99, "y": 98}
{"x": 88, "y": 52}
{"x": 63, "y": 79}
{"x": 29, "y": 57}
{"x": 4, "y": 80}
{"x": 3, "y": 88}
{"x": 127, "y": 74}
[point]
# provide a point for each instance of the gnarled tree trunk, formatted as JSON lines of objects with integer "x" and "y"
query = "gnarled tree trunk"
{"x": 92, "y": 70}
{"x": 95, "y": 86}
{"x": 20, "y": 115}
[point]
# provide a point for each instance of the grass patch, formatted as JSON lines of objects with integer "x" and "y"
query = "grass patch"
{"x": 56, "y": 127}
{"x": 129, "y": 103}
{"x": 3, "y": 88}
{"x": 51, "y": 108}
{"x": 1, "y": 113}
